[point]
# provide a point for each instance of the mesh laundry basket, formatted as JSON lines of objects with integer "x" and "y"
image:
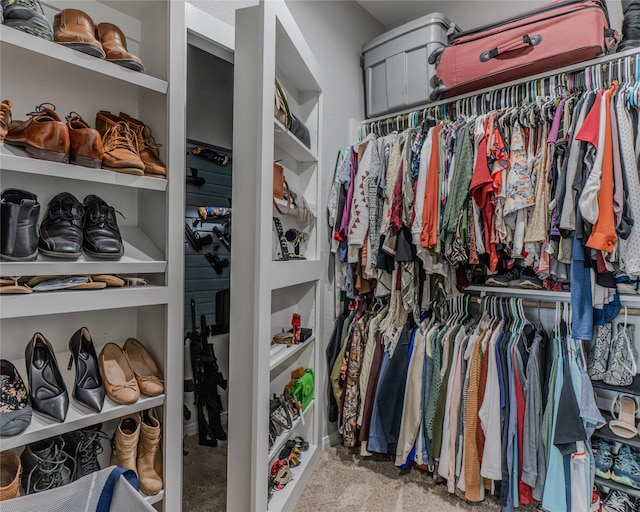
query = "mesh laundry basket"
{"x": 112, "y": 489}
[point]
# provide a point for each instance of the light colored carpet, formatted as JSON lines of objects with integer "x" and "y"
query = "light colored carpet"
{"x": 343, "y": 481}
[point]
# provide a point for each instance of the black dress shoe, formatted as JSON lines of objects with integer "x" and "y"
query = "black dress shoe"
{"x": 101, "y": 234}
{"x": 18, "y": 225}
{"x": 88, "y": 388}
{"x": 47, "y": 390}
{"x": 61, "y": 229}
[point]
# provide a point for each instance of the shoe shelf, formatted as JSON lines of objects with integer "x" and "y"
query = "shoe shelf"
{"x": 17, "y": 160}
{"x": 294, "y": 272}
{"x": 286, "y": 499}
{"x": 70, "y": 301}
{"x": 280, "y": 354}
{"x": 611, "y": 484}
{"x": 156, "y": 498}
{"x": 287, "y": 434}
{"x": 10, "y": 37}
{"x": 633, "y": 389}
{"x": 78, "y": 416}
{"x": 140, "y": 256}
{"x": 289, "y": 143}
{"x": 606, "y": 433}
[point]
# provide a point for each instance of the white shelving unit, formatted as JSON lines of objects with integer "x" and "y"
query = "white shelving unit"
{"x": 35, "y": 71}
{"x": 265, "y": 293}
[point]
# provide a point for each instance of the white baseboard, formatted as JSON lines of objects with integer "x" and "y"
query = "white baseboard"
{"x": 191, "y": 427}
{"x": 331, "y": 440}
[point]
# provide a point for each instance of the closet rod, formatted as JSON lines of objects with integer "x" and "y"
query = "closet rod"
{"x": 549, "y": 305}
{"x": 568, "y": 69}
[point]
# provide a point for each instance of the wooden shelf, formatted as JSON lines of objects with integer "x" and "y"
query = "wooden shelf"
{"x": 140, "y": 256}
{"x": 289, "y": 143}
{"x": 606, "y": 433}
{"x": 287, "y": 434}
{"x": 10, "y": 37}
{"x": 69, "y": 301}
{"x": 294, "y": 272}
{"x": 282, "y": 353}
{"x": 603, "y": 482}
{"x": 15, "y": 159}
{"x": 78, "y": 416}
{"x": 286, "y": 499}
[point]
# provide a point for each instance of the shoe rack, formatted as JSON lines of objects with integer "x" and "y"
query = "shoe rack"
{"x": 265, "y": 293}
{"x": 35, "y": 71}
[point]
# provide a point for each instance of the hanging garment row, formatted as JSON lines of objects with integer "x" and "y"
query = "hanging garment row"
{"x": 537, "y": 196}
{"x": 486, "y": 401}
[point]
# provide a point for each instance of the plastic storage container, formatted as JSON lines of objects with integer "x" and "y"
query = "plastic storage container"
{"x": 397, "y": 74}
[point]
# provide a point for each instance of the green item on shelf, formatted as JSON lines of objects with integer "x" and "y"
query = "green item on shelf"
{"x": 303, "y": 388}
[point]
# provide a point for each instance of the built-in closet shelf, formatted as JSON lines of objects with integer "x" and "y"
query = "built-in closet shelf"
{"x": 69, "y": 301}
{"x": 293, "y": 272}
{"x": 286, "y": 498}
{"x": 140, "y": 256}
{"x": 633, "y": 389}
{"x": 289, "y": 143}
{"x": 12, "y": 37}
{"x": 78, "y": 416}
{"x": 606, "y": 433}
{"x": 282, "y": 204}
{"x": 282, "y": 353}
{"x": 603, "y": 482}
{"x": 289, "y": 433}
{"x": 156, "y": 498}
{"x": 17, "y": 160}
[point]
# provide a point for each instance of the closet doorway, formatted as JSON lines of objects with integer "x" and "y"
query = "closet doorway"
{"x": 209, "y": 164}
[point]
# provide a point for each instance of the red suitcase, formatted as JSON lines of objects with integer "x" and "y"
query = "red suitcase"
{"x": 557, "y": 34}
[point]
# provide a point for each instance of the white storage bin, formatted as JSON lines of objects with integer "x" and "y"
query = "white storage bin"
{"x": 397, "y": 74}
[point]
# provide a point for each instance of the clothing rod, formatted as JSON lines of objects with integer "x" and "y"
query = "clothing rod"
{"x": 568, "y": 69}
{"x": 548, "y": 305}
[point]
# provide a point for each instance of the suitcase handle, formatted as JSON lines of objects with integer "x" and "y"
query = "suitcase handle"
{"x": 515, "y": 44}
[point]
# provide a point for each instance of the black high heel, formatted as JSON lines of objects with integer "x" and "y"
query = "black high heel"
{"x": 88, "y": 388}
{"x": 47, "y": 390}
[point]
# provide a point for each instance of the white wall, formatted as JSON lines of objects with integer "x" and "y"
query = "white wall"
{"x": 209, "y": 98}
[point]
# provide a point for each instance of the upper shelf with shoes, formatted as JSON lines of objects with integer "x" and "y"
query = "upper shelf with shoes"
{"x": 90, "y": 35}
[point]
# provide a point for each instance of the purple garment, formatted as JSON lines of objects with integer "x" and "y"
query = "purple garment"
{"x": 555, "y": 127}
{"x": 344, "y": 223}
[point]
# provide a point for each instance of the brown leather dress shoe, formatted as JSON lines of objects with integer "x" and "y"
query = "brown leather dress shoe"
{"x": 144, "y": 367}
{"x": 75, "y": 29}
{"x": 5, "y": 119}
{"x": 147, "y": 147}
{"x": 43, "y": 136}
{"x": 120, "y": 147}
{"x": 86, "y": 143}
{"x": 119, "y": 380}
{"x": 115, "y": 46}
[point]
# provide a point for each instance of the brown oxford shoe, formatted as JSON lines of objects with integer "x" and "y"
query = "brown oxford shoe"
{"x": 75, "y": 29}
{"x": 43, "y": 136}
{"x": 115, "y": 46}
{"x": 147, "y": 147}
{"x": 120, "y": 147}
{"x": 86, "y": 143}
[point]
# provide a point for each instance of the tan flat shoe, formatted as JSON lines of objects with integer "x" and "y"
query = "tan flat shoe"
{"x": 144, "y": 367}
{"x": 119, "y": 380}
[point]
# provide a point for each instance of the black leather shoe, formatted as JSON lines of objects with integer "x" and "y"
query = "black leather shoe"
{"x": 43, "y": 466}
{"x": 18, "y": 225}
{"x": 83, "y": 447}
{"x": 61, "y": 229}
{"x": 88, "y": 388}
{"x": 101, "y": 234}
{"x": 47, "y": 390}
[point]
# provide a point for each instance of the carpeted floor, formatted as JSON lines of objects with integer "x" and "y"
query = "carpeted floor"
{"x": 342, "y": 481}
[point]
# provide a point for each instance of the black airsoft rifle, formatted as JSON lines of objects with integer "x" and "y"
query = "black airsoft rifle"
{"x": 207, "y": 377}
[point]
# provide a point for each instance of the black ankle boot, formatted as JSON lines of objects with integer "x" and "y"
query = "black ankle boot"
{"x": 43, "y": 466}
{"x": 18, "y": 225}
{"x": 83, "y": 447}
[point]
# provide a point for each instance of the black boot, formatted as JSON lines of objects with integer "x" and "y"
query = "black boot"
{"x": 83, "y": 446}
{"x": 43, "y": 466}
{"x": 19, "y": 225}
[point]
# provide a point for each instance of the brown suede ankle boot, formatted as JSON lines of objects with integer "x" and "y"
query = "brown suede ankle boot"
{"x": 10, "y": 469}
{"x": 124, "y": 444}
{"x": 149, "y": 454}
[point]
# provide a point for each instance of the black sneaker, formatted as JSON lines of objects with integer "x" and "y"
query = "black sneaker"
{"x": 530, "y": 280}
{"x": 27, "y": 16}
{"x": 508, "y": 278}
{"x": 43, "y": 466}
{"x": 61, "y": 229}
{"x": 82, "y": 448}
{"x": 101, "y": 233}
{"x": 617, "y": 501}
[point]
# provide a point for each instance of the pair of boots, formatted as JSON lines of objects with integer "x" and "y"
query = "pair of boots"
{"x": 136, "y": 446}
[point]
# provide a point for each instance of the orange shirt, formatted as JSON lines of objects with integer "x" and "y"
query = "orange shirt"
{"x": 429, "y": 235}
